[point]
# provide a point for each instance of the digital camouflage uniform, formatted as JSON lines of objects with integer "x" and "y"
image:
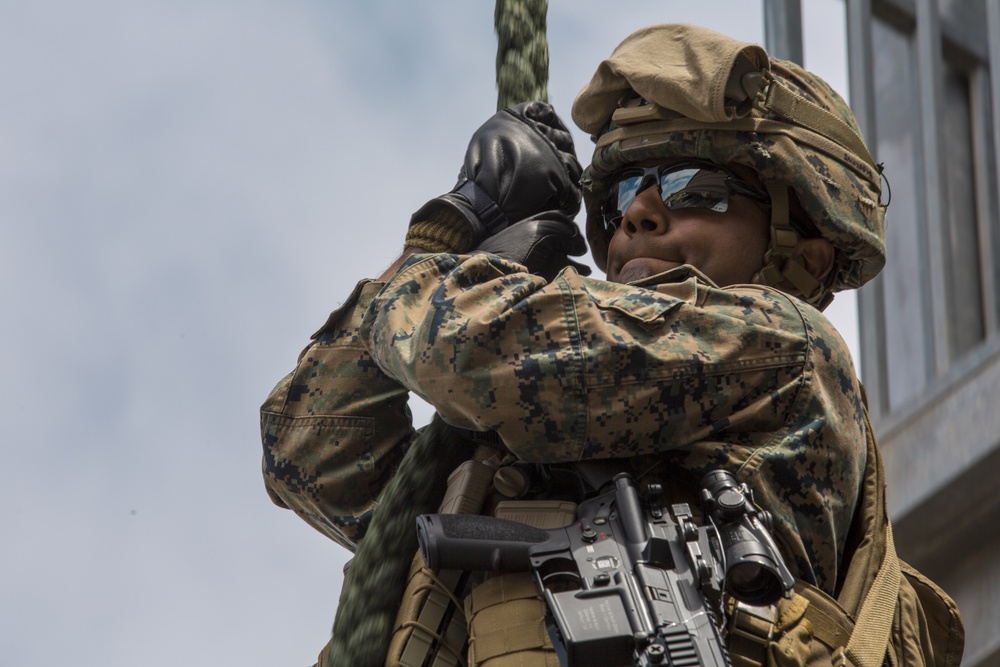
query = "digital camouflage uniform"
{"x": 669, "y": 377}
{"x": 675, "y": 372}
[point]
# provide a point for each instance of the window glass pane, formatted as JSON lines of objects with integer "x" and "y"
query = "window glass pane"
{"x": 965, "y": 303}
{"x": 907, "y": 333}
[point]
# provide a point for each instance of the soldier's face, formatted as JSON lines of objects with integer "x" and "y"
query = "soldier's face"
{"x": 728, "y": 247}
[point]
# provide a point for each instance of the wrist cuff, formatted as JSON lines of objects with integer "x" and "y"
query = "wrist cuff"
{"x": 446, "y": 231}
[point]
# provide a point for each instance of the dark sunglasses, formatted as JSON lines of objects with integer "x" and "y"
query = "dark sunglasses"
{"x": 681, "y": 185}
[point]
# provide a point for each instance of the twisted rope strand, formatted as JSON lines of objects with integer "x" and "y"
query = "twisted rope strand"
{"x": 522, "y": 51}
{"x": 375, "y": 581}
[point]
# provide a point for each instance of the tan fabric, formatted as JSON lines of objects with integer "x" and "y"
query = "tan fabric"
{"x": 506, "y": 617}
{"x": 866, "y": 649}
{"x": 658, "y": 63}
{"x": 928, "y": 629}
{"x": 498, "y": 590}
{"x": 814, "y": 630}
{"x": 422, "y": 589}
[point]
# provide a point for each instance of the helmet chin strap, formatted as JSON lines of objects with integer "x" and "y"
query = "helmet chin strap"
{"x": 780, "y": 264}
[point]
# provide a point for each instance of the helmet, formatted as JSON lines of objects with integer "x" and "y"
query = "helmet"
{"x": 680, "y": 91}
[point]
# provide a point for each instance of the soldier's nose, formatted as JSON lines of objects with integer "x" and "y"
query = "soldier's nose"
{"x": 646, "y": 214}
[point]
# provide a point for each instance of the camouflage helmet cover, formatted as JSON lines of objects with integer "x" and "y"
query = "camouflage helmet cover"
{"x": 790, "y": 127}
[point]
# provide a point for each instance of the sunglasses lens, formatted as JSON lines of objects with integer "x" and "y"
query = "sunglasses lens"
{"x": 622, "y": 194}
{"x": 680, "y": 186}
{"x": 695, "y": 188}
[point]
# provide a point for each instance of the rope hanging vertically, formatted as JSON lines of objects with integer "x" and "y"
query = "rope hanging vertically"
{"x": 522, "y": 51}
{"x": 373, "y": 586}
{"x": 375, "y": 581}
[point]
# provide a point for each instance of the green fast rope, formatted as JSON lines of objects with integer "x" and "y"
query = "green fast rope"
{"x": 522, "y": 51}
{"x": 374, "y": 584}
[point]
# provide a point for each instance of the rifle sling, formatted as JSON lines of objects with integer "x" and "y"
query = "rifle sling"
{"x": 868, "y": 642}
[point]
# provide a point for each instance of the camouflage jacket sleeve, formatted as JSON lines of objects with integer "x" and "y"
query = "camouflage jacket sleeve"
{"x": 746, "y": 377}
{"x": 335, "y": 429}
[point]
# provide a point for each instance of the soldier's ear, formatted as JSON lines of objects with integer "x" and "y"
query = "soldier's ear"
{"x": 816, "y": 255}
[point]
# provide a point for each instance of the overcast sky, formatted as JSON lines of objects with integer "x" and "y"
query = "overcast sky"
{"x": 187, "y": 188}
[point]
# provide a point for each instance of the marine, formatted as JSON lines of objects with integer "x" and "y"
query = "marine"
{"x": 729, "y": 196}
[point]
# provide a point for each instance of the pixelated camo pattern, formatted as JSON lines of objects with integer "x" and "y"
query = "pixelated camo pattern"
{"x": 679, "y": 374}
{"x": 746, "y": 378}
{"x": 335, "y": 429}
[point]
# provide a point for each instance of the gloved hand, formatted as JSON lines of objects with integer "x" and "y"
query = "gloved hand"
{"x": 519, "y": 163}
{"x": 543, "y": 243}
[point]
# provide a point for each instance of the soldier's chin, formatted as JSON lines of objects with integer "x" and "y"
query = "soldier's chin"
{"x": 641, "y": 268}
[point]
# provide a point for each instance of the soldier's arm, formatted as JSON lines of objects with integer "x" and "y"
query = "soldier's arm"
{"x": 335, "y": 428}
{"x": 579, "y": 369}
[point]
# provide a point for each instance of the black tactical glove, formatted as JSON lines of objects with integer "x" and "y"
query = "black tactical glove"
{"x": 543, "y": 243}
{"x": 519, "y": 163}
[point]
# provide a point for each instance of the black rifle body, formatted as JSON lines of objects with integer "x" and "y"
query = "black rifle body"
{"x": 625, "y": 584}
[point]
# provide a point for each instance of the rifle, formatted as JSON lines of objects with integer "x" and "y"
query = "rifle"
{"x": 630, "y": 583}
